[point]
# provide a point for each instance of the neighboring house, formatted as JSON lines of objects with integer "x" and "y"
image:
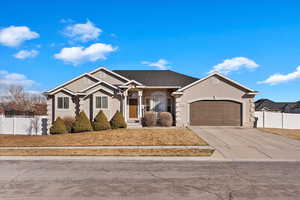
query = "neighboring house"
{"x": 285, "y": 107}
{"x": 211, "y": 101}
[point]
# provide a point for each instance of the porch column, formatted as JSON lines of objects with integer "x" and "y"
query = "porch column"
{"x": 140, "y": 94}
{"x": 125, "y": 105}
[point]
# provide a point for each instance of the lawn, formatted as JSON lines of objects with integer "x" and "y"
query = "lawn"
{"x": 107, "y": 152}
{"x": 291, "y": 133}
{"x": 119, "y": 137}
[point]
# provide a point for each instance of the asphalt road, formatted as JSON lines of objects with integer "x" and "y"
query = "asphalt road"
{"x": 152, "y": 180}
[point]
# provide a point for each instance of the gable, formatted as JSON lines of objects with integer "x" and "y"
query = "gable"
{"x": 98, "y": 87}
{"x": 80, "y": 84}
{"x": 225, "y": 79}
{"x": 215, "y": 86}
{"x": 108, "y": 77}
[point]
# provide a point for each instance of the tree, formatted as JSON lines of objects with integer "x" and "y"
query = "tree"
{"x": 82, "y": 123}
{"x": 15, "y": 98}
{"x": 58, "y": 127}
{"x": 118, "y": 121}
{"x": 101, "y": 122}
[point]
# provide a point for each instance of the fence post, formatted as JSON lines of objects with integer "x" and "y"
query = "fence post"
{"x": 263, "y": 119}
{"x": 1, "y": 122}
{"x": 282, "y": 120}
{"x": 13, "y": 125}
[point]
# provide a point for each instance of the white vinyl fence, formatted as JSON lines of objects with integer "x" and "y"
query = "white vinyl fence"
{"x": 21, "y": 125}
{"x": 267, "y": 119}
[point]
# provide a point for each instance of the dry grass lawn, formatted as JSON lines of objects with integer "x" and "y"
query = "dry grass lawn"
{"x": 291, "y": 133}
{"x": 107, "y": 152}
{"x": 120, "y": 137}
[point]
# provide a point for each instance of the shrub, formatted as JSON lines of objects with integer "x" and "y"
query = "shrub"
{"x": 82, "y": 123}
{"x": 118, "y": 121}
{"x": 101, "y": 122}
{"x": 58, "y": 127}
{"x": 165, "y": 119}
{"x": 150, "y": 119}
{"x": 69, "y": 123}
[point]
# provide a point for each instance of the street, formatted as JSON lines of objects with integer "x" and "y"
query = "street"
{"x": 113, "y": 179}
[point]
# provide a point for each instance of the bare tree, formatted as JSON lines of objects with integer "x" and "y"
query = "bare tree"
{"x": 20, "y": 99}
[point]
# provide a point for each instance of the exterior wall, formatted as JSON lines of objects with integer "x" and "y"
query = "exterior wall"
{"x": 151, "y": 92}
{"x": 64, "y": 112}
{"x": 49, "y": 111}
{"x": 213, "y": 88}
{"x": 99, "y": 87}
{"x": 110, "y": 78}
{"x": 80, "y": 84}
{"x": 114, "y": 105}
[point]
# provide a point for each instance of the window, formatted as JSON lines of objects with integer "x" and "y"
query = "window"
{"x": 147, "y": 104}
{"x": 102, "y": 102}
{"x": 169, "y": 106}
{"x": 63, "y": 102}
{"x": 158, "y": 105}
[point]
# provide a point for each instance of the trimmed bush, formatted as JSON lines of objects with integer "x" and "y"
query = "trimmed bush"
{"x": 150, "y": 119}
{"x": 58, "y": 127}
{"x": 69, "y": 123}
{"x": 165, "y": 119}
{"x": 82, "y": 123}
{"x": 100, "y": 122}
{"x": 118, "y": 121}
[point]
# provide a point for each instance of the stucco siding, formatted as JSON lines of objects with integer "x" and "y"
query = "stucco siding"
{"x": 114, "y": 105}
{"x": 70, "y": 112}
{"x": 151, "y": 92}
{"x": 213, "y": 88}
{"x": 107, "y": 77}
{"x": 100, "y": 87}
{"x": 80, "y": 84}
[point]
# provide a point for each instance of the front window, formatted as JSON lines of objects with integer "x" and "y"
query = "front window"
{"x": 158, "y": 105}
{"x": 63, "y": 102}
{"x": 102, "y": 102}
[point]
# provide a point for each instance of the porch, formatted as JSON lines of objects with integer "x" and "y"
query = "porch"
{"x": 137, "y": 101}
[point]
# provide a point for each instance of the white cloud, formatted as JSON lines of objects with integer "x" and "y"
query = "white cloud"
{"x": 234, "y": 64}
{"x": 281, "y": 78}
{"x": 7, "y": 78}
{"x": 14, "y": 36}
{"x": 23, "y": 54}
{"x": 161, "y": 64}
{"x": 66, "y": 20}
{"x": 78, "y": 55}
{"x": 82, "y": 32}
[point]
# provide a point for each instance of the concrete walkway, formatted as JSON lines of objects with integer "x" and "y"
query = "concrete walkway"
{"x": 235, "y": 143}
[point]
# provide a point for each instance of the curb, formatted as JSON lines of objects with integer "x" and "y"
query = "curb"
{"x": 110, "y": 147}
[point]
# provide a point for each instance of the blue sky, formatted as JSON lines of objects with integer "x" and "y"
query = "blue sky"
{"x": 44, "y": 43}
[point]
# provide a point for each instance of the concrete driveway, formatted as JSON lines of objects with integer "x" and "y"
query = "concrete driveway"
{"x": 237, "y": 143}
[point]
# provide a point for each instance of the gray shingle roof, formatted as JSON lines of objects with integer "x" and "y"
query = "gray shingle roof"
{"x": 157, "y": 77}
{"x": 286, "y": 107}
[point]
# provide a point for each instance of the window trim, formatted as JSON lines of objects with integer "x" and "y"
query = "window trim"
{"x": 63, "y": 103}
{"x": 101, "y": 103}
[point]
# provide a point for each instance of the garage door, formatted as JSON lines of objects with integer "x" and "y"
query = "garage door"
{"x": 215, "y": 113}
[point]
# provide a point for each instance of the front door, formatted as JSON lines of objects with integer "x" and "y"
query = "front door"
{"x": 133, "y": 108}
